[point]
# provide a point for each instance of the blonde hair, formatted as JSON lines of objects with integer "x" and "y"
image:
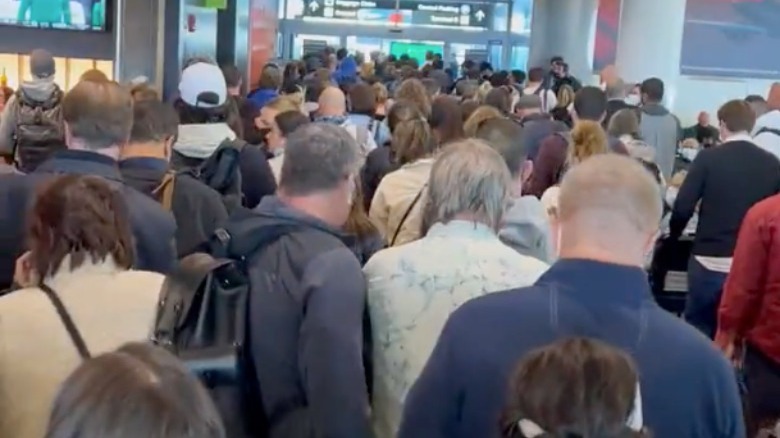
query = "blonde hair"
{"x": 587, "y": 139}
{"x": 413, "y": 90}
{"x": 282, "y": 104}
{"x": 381, "y": 92}
{"x": 478, "y": 118}
{"x": 367, "y": 70}
{"x": 565, "y": 96}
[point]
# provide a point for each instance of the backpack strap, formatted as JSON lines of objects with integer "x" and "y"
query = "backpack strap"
{"x": 70, "y": 326}
{"x": 164, "y": 192}
{"x": 767, "y": 130}
{"x": 406, "y": 215}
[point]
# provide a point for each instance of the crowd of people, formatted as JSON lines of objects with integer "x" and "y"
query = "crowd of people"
{"x": 427, "y": 253}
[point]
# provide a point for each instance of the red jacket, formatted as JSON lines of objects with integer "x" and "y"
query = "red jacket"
{"x": 750, "y": 306}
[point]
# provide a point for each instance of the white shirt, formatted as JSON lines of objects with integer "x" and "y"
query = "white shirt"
{"x": 549, "y": 99}
{"x": 768, "y": 140}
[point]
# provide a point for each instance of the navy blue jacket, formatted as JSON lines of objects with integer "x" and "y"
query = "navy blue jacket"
{"x": 688, "y": 388}
{"x": 153, "y": 228}
{"x": 306, "y": 311}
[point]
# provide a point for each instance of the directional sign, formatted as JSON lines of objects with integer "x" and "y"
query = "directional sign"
{"x": 394, "y": 12}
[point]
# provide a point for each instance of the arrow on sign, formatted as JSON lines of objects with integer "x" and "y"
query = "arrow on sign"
{"x": 480, "y": 15}
{"x": 313, "y": 5}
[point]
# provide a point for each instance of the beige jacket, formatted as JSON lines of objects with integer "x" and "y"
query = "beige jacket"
{"x": 396, "y": 192}
{"x": 109, "y": 306}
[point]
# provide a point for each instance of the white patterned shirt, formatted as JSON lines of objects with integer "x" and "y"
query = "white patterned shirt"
{"x": 413, "y": 289}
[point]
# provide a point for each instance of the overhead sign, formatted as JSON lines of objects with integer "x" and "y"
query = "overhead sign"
{"x": 407, "y": 12}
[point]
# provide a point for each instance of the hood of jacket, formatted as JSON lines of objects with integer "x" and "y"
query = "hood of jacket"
{"x": 39, "y": 89}
{"x": 654, "y": 109}
{"x": 143, "y": 173}
{"x": 526, "y": 229}
{"x": 200, "y": 141}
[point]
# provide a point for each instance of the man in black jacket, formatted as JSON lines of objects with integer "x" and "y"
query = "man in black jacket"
{"x": 616, "y": 92}
{"x": 723, "y": 183}
{"x": 98, "y": 117}
{"x": 198, "y": 208}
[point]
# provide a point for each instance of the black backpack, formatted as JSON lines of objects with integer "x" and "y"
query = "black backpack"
{"x": 202, "y": 319}
{"x": 221, "y": 171}
{"x": 39, "y": 130}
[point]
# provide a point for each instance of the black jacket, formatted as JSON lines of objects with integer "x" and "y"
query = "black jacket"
{"x": 378, "y": 164}
{"x": 197, "y": 208}
{"x": 727, "y": 180}
{"x": 153, "y": 228}
{"x": 537, "y": 127}
{"x": 613, "y": 106}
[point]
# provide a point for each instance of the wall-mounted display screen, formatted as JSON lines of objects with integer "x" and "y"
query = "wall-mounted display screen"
{"x": 414, "y": 50}
{"x": 403, "y": 12}
{"x": 55, "y": 14}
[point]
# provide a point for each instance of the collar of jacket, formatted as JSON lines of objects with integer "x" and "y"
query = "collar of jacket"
{"x": 145, "y": 163}
{"x": 461, "y": 228}
{"x": 598, "y": 282}
{"x": 81, "y": 163}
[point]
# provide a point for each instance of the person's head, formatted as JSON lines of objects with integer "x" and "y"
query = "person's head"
{"x": 505, "y": 136}
{"x": 469, "y": 181}
{"x": 98, "y": 117}
{"x": 758, "y": 104}
{"x": 535, "y": 75}
{"x": 358, "y": 223}
{"x": 143, "y": 92}
{"x": 468, "y": 107}
{"x": 155, "y": 126}
{"x": 609, "y": 211}
{"x": 573, "y": 387}
{"x": 467, "y": 89}
{"x": 735, "y": 117}
{"x": 587, "y": 139}
{"x": 412, "y": 140}
{"x": 341, "y": 53}
{"x": 319, "y": 170}
{"x": 94, "y": 75}
{"x": 704, "y": 118}
{"x": 499, "y": 98}
{"x": 432, "y": 87}
{"x": 499, "y": 79}
{"x": 478, "y": 117}
{"x": 380, "y": 91}
{"x": 367, "y": 70}
{"x": 267, "y": 117}
{"x": 517, "y": 76}
{"x": 446, "y": 119}
{"x": 203, "y": 98}
{"x": 590, "y": 103}
{"x": 624, "y": 122}
{"x": 652, "y": 90}
{"x": 413, "y": 90}
{"x": 566, "y": 96}
{"x": 292, "y": 71}
{"x": 78, "y": 220}
{"x": 270, "y": 78}
{"x": 402, "y": 111}
{"x": 137, "y": 391}
{"x": 528, "y": 104}
{"x": 332, "y": 102}
{"x": 233, "y": 79}
{"x": 616, "y": 89}
{"x": 362, "y": 99}
{"x": 285, "y": 123}
{"x": 42, "y": 64}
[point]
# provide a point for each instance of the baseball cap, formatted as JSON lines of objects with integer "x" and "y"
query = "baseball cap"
{"x": 41, "y": 63}
{"x": 203, "y": 85}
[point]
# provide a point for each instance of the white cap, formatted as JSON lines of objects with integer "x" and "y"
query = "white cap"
{"x": 201, "y": 78}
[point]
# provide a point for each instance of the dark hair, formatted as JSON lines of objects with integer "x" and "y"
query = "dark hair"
{"x": 362, "y": 99}
{"x": 289, "y": 121}
{"x": 402, "y": 111}
{"x": 499, "y": 79}
{"x": 232, "y": 75}
{"x": 737, "y": 116}
{"x": 100, "y": 113}
{"x": 80, "y": 218}
{"x": 138, "y": 391}
{"x": 270, "y": 78}
{"x": 153, "y": 121}
{"x": 341, "y": 53}
{"x": 437, "y": 64}
{"x": 518, "y": 76}
{"x": 590, "y": 103}
{"x": 432, "y": 87}
{"x": 358, "y": 222}
{"x": 653, "y": 88}
{"x": 574, "y": 387}
{"x": 536, "y": 74}
{"x": 446, "y": 119}
{"x": 755, "y": 98}
{"x": 505, "y": 137}
{"x": 499, "y": 98}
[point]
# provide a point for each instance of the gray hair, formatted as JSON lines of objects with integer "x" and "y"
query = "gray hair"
{"x": 617, "y": 89}
{"x": 318, "y": 157}
{"x": 468, "y": 177}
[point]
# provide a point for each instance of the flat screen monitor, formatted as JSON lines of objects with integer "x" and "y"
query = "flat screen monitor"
{"x": 85, "y": 15}
{"x": 414, "y": 50}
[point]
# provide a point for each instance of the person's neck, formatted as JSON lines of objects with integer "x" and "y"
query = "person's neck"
{"x": 234, "y": 91}
{"x": 111, "y": 151}
{"x": 317, "y": 205}
{"x": 530, "y": 84}
{"x": 599, "y": 254}
{"x": 143, "y": 150}
{"x": 327, "y": 112}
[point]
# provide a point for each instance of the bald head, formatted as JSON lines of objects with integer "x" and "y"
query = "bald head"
{"x": 609, "y": 205}
{"x": 332, "y": 102}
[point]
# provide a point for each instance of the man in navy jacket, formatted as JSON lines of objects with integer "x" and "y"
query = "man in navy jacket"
{"x": 98, "y": 117}
{"x": 608, "y": 214}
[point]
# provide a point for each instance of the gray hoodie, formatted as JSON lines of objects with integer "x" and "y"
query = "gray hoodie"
{"x": 527, "y": 229}
{"x": 661, "y": 130}
{"x": 39, "y": 89}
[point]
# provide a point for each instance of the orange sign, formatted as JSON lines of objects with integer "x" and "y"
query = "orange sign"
{"x": 263, "y": 25}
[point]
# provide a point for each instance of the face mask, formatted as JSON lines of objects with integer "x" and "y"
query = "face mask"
{"x": 671, "y": 195}
{"x": 633, "y": 100}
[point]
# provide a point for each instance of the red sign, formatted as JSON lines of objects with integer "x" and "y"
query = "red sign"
{"x": 263, "y": 25}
